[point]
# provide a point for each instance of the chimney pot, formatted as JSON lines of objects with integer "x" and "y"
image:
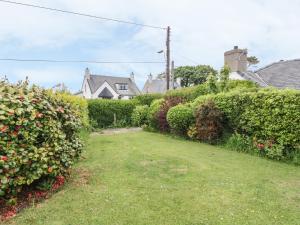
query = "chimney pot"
{"x": 236, "y": 59}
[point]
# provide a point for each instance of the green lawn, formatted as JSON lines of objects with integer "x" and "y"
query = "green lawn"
{"x": 146, "y": 178}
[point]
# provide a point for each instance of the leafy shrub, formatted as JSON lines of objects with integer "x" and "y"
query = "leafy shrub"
{"x": 240, "y": 143}
{"x": 147, "y": 99}
{"x": 209, "y": 122}
{"x": 107, "y": 113}
{"x": 39, "y": 136}
{"x": 189, "y": 93}
{"x": 180, "y": 118}
{"x": 153, "y": 113}
{"x": 139, "y": 115}
{"x": 168, "y": 103}
{"x": 267, "y": 114}
{"x": 78, "y": 103}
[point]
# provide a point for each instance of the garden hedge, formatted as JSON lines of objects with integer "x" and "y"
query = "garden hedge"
{"x": 180, "y": 118}
{"x": 147, "y": 99}
{"x": 105, "y": 113}
{"x": 268, "y": 114}
{"x": 38, "y": 136}
{"x": 153, "y": 113}
{"x": 189, "y": 94}
{"x": 140, "y": 115}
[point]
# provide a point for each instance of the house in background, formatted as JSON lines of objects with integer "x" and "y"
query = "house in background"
{"x": 158, "y": 85}
{"x": 282, "y": 74}
{"x": 108, "y": 87}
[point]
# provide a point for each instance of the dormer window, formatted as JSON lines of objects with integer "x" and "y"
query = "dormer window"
{"x": 122, "y": 87}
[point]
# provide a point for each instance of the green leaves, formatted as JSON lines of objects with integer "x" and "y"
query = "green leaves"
{"x": 34, "y": 135}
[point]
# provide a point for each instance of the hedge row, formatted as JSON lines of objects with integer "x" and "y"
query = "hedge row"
{"x": 38, "y": 136}
{"x": 268, "y": 114}
{"x": 268, "y": 117}
{"x": 110, "y": 113}
{"x": 191, "y": 93}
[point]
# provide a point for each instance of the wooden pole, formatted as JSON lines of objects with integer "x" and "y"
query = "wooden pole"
{"x": 173, "y": 74}
{"x": 168, "y": 58}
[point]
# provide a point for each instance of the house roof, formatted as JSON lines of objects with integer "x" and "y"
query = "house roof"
{"x": 282, "y": 74}
{"x": 96, "y": 81}
{"x": 157, "y": 86}
{"x": 105, "y": 93}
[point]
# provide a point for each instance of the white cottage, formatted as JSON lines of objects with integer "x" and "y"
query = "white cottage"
{"x": 108, "y": 87}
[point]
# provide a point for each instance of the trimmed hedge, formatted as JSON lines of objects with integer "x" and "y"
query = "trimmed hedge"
{"x": 180, "y": 118}
{"x": 153, "y": 113}
{"x": 38, "y": 136}
{"x": 189, "y": 94}
{"x": 269, "y": 114}
{"x": 147, "y": 99}
{"x": 139, "y": 115}
{"x": 105, "y": 113}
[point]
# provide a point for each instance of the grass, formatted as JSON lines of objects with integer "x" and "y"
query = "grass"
{"x": 146, "y": 178}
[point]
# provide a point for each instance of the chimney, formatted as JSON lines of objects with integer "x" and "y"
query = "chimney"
{"x": 87, "y": 73}
{"x": 132, "y": 77}
{"x": 150, "y": 78}
{"x": 236, "y": 59}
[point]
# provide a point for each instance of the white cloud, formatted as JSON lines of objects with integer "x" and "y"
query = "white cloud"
{"x": 201, "y": 30}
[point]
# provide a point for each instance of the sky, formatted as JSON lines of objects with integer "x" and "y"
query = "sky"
{"x": 201, "y": 31}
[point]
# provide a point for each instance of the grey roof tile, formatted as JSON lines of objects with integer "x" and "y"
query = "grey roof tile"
{"x": 96, "y": 81}
{"x": 282, "y": 74}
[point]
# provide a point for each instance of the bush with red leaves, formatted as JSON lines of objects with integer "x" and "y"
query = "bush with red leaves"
{"x": 209, "y": 122}
{"x": 168, "y": 103}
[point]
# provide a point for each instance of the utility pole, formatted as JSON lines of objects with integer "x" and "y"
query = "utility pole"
{"x": 173, "y": 74}
{"x": 168, "y": 58}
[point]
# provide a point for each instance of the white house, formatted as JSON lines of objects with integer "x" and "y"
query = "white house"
{"x": 108, "y": 87}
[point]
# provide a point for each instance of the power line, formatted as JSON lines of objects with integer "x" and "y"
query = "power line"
{"x": 80, "y": 61}
{"x": 83, "y": 14}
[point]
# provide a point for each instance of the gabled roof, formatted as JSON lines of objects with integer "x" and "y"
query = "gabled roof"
{"x": 105, "y": 93}
{"x": 157, "y": 86}
{"x": 96, "y": 81}
{"x": 282, "y": 74}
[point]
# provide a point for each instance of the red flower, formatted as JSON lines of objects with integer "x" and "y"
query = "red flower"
{"x": 4, "y": 158}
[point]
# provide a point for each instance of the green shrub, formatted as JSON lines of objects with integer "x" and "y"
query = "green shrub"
{"x": 180, "y": 118}
{"x": 147, "y": 99}
{"x": 268, "y": 115}
{"x": 240, "y": 143}
{"x": 168, "y": 103}
{"x": 39, "y": 136}
{"x": 107, "y": 113}
{"x": 189, "y": 93}
{"x": 79, "y": 104}
{"x": 153, "y": 113}
{"x": 209, "y": 122}
{"x": 139, "y": 115}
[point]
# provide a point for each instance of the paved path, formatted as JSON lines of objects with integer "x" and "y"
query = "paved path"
{"x": 117, "y": 131}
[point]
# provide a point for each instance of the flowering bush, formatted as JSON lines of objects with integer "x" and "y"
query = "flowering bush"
{"x": 38, "y": 136}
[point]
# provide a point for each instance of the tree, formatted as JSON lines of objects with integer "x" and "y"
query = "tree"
{"x": 252, "y": 60}
{"x": 212, "y": 84}
{"x": 194, "y": 75}
{"x": 224, "y": 77}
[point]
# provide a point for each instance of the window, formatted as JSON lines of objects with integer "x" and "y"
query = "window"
{"x": 123, "y": 87}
